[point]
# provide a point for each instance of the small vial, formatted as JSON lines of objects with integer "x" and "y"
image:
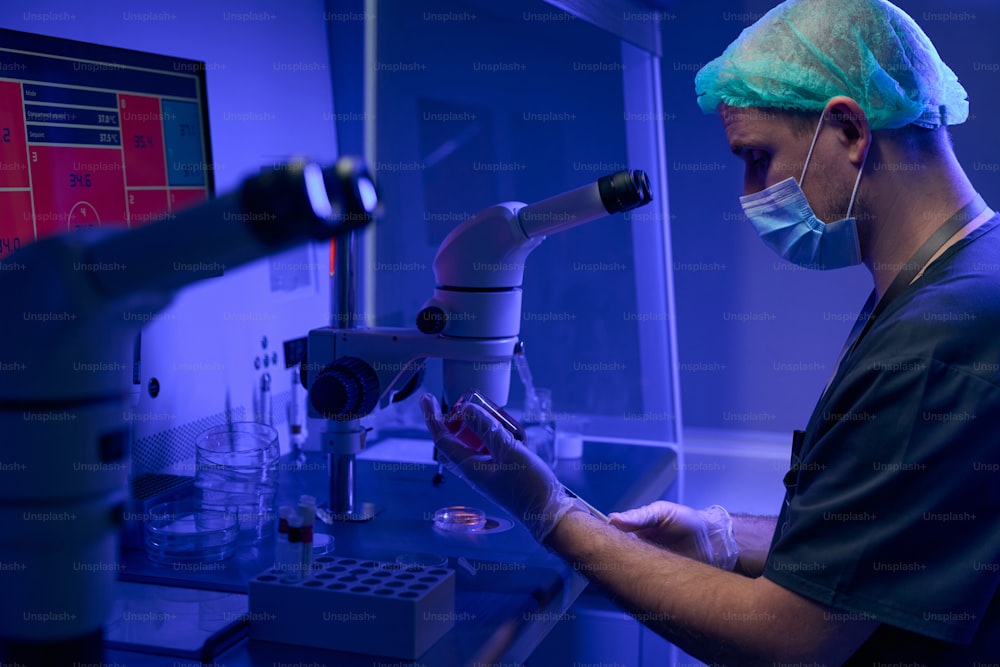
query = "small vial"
{"x": 294, "y": 571}
{"x": 454, "y": 422}
{"x": 307, "y": 510}
{"x": 283, "y": 553}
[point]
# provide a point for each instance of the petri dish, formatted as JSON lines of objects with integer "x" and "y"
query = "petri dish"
{"x": 183, "y": 532}
{"x": 323, "y": 543}
{"x": 421, "y": 560}
{"x": 460, "y": 519}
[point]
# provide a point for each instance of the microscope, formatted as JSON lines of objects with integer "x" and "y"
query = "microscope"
{"x": 74, "y": 305}
{"x": 471, "y": 323}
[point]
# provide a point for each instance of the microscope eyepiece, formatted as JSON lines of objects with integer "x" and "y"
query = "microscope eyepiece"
{"x": 617, "y": 192}
{"x": 303, "y": 201}
{"x": 624, "y": 190}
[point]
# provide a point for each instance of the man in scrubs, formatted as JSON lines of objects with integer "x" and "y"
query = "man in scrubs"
{"x": 886, "y": 549}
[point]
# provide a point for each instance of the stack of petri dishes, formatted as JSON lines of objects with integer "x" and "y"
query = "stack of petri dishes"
{"x": 183, "y": 532}
{"x": 236, "y": 484}
{"x": 237, "y": 474}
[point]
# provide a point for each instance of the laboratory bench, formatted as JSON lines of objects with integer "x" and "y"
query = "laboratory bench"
{"x": 509, "y": 591}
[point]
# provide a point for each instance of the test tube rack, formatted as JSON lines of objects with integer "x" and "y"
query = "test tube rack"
{"x": 356, "y": 605}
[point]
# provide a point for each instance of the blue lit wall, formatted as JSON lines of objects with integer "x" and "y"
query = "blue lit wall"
{"x": 261, "y": 109}
{"x": 758, "y": 338}
{"x": 503, "y": 106}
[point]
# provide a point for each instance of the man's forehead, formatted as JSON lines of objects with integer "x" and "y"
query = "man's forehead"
{"x": 750, "y": 116}
{"x": 739, "y": 125}
{"x": 749, "y": 125}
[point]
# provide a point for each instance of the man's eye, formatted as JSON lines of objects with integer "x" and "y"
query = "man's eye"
{"x": 758, "y": 157}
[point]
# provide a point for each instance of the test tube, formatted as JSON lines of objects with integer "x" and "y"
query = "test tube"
{"x": 282, "y": 549}
{"x": 307, "y": 510}
{"x": 294, "y": 572}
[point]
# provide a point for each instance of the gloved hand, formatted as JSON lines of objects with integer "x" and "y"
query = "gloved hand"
{"x": 704, "y": 535}
{"x": 510, "y": 475}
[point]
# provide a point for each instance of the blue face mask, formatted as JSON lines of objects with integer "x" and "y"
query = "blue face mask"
{"x": 785, "y": 221}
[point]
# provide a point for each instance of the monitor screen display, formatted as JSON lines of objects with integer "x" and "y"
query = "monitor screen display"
{"x": 93, "y": 135}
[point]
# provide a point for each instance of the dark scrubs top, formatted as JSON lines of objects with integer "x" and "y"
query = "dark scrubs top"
{"x": 892, "y": 510}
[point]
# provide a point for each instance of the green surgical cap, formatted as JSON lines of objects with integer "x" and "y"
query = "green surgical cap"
{"x": 804, "y": 52}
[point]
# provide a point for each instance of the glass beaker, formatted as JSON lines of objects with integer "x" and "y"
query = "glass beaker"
{"x": 237, "y": 473}
{"x": 539, "y": 425}
{"x": 569, "y": 436}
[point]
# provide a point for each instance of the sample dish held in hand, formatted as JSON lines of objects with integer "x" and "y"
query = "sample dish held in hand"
{"x": 460, "y": 519}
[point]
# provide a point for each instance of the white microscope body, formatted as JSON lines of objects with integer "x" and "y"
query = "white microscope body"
{"x": 472, "y": 323}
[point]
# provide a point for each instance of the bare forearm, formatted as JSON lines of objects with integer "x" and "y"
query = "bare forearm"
{"x": 753, "y": 536}
{"x": 717, "y": 616}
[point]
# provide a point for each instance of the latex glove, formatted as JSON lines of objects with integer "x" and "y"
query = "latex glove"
{"x": 704, "y": 535}
{"x": 510, "y": 474}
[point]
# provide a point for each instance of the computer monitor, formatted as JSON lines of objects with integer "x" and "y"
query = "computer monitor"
{"x": 93, "y": 135}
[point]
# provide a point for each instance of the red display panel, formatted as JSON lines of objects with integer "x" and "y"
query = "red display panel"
{"x": 121, "y": 141}
{"x": 76, "y": 188}
{"x": 13, "y": 155}
{"x": 145, "y": 206}
{"x": 181, "y": 199}
{"x": 142, "y": 141}
{"x": 16, "y": 207}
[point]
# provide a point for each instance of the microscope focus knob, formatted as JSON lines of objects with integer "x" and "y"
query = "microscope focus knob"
{"x": 346, "y": 389}
{"x": 431, "y": 320}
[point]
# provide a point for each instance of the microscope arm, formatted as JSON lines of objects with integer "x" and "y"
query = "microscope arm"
{"x": 373, "y": 364}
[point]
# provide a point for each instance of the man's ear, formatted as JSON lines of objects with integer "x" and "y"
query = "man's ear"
{"x": 849, "y": 118}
